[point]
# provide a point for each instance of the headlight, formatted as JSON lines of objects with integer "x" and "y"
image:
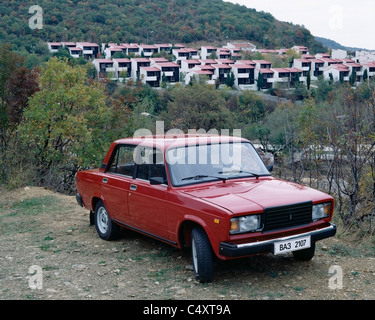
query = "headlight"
{"x": 320, "y": 211}
{"x": 244, "y": 224}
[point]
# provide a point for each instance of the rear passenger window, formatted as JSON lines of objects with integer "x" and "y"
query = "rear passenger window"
{"x": 123, "y": 161}
{"x": 151, "y": 164}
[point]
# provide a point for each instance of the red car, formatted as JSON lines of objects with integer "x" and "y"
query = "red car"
{"x": 212, "y": 194}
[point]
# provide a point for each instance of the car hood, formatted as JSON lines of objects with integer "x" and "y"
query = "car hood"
{"x": 253, "y": 195}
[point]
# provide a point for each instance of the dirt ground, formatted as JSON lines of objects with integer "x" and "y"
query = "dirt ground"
{"x": 49, "y": 251}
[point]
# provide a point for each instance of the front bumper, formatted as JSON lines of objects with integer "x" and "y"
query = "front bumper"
{"x": 247, "y": 249}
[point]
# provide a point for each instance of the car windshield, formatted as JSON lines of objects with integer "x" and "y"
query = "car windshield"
{"x": 210, "y": 162}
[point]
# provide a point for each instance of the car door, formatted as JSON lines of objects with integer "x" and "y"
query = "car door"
{"x": 116, "y": 182}
{"x": 147, "y": 202}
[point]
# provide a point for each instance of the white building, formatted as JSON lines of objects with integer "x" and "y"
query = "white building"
{"x": 148, "y": 50}
{"x": 244, "y": 75}
{"x": 339, "y": 54}
{"x": 339, "y": 72}
{"x": 188, "y": 65}
{"x": 241, "y": 46}
{"x": 75, "y": 52}
{"x": 207, "y": 51}
{"x": 150, "y": 76}
{"x": 53, "y": 47}
{"x": 123, "y": 68}
{"x": 105, "y": 68}
{"x": 137, "y": 63}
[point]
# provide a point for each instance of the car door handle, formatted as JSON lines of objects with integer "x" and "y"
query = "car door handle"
{"x": 105, "y": 180}
{"x": 133, "y": 187}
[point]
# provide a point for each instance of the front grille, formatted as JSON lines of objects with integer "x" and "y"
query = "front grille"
{"x": 287, "y": 216}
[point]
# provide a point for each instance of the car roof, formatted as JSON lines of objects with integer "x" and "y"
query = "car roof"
{"x": 165, "y": 141}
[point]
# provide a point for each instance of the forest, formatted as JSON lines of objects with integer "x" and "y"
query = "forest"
{"x": 56, "y": 119}
{"x": 145, "y": 21}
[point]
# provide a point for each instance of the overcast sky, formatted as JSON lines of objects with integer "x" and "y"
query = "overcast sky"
{"x": 348, "y": 22}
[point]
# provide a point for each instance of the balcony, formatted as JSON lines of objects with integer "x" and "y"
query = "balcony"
{"x": 88, "y": 52}
{"x": 281, "y": 80}
{"x": 151, "y": 78}
{"x": 148, "y": 53}
{"x": 168, "y": 73}
{"x": 243, "y": 75}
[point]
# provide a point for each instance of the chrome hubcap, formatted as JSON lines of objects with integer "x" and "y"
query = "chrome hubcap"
{"x": 102, "y": 220}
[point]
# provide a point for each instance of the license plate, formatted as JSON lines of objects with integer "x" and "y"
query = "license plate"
{"x": 292, "y": 245}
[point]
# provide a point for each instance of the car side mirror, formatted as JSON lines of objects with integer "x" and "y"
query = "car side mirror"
{"x": 156, "y": 180}
{"x": 270, "y": 168}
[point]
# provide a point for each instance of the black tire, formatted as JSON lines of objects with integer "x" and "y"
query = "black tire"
{"x": 105, "y": 227}
{"x": 202, "y": 256}
{"x": 305, "y": 254}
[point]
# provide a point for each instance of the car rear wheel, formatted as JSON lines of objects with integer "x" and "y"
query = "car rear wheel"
{"x": 202, "y": 256}
{"x": 305, "y": 254}
{"x": 105, "y": 227}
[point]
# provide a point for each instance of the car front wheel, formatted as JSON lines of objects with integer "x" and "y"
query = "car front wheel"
{"x": 202, "y": 256}
{"x": 105, "y": 227}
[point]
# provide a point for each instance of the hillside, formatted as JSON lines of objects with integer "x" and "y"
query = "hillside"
{"x": 335, "y": 45}
{"x": 161, "y": 21}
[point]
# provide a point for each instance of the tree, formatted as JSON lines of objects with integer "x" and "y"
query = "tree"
{"x": 251, "y": 107}
{"x": 198, "y": 106}
{"x": 352, "y": 78}
{"x": 17, "y": 84}
{"x": 365, "y": 75}
{"x": 260, "y": 81}
{"x": 308, "y": 80}
{"x": 230, "y": 80}
{"x": 330, "y": 78}
{"x": 352, "y": 140}
{"x": 65, "y": 124}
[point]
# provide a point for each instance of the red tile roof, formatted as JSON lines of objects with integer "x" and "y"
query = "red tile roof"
{"x": 74, "y": 49}
{"x": 262, "y": 61}
{"x": 221, "y": 66}
{"x": 266, "y": 70}
{"x": 203, "y": 72}
{"x": 242, "y": 66}
{"x": 248, "y": 62}
{"x": 150, "y": 68}
{"x": 88, "y": 44}
{"x": 122, "y": 60}
{"x": 167, "y": 64}
{"x": 104, "y": 60}
{"x": 141, "y": 59}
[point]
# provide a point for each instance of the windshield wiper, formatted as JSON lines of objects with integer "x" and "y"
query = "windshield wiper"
{"x": 200, "y": 176}
{"x": 240, "y": 171}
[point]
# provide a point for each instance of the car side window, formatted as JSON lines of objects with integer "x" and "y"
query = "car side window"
{"x": 151, "y": 164}
{"x": 123, "y": 161}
